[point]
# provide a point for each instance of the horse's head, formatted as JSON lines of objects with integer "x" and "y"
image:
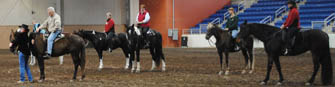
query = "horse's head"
{"x": 212, "y": 29}
{"x": 16, "y": 38}
{"x": 244, "y": 31}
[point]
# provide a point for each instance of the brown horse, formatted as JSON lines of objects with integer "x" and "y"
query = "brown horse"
{"x": 70, "y": 43}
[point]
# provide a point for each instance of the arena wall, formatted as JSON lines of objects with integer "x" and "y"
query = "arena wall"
{"x": 187, "y": 14}
{"x": 199, "y": 41}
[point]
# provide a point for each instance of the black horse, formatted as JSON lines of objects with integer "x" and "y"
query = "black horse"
{"x": 137, "y": 42}
{"x": 224, "y": 44}
{"x": 100, "y": 43}
{"x": 315, "y": 41}
{"x": 70, "y": 43}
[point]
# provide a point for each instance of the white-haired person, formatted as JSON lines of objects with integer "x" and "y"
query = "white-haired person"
{"x": 53, "y": 25}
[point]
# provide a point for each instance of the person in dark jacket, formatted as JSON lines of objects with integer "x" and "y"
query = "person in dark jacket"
{"x": 291, "y": 25}
{"x": 24, "y": 52}
{"x": 232, "y": 26}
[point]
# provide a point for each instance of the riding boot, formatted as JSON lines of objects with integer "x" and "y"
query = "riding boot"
{"x": 236, "y": 46}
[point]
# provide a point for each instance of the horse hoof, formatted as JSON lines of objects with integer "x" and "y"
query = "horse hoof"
{"x": 72, "y": 80}
{"x": 126, "y": 68}
{"x": 243, "y": 72}
{"x": 220, "y": 73}
{"x": 250, "y": 72}
{"x": 226, "y": 73}
{"x": 279, "y": 83}
{"x": 40, "y": 81}
{"x": 163, "y": 70}
{"x": 308, "y": 84}
{"x": 138, "y": 71}
{"x": 262, "y": 83}
{"x": 81, "y": 80}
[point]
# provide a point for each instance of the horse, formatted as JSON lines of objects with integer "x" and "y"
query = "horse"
{"x": 70, "y": 43}
{"x": 137, "y": 43}
{"x": 315, "y": 41}
{"x": 98, "y": 39}
{"x": 224, "y": 44}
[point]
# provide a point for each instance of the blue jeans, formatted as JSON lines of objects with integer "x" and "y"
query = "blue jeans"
{"x": 51, "y": 39}
{"x": 24, "y": 68}
{"x": 234, "y": 33}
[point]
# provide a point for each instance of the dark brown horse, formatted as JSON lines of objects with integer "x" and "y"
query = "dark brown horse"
{"x": 70, "y": 43}
{"x": 224, "y": 45}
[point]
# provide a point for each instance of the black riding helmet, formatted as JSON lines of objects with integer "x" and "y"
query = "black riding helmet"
{"x": 292, "y": 2}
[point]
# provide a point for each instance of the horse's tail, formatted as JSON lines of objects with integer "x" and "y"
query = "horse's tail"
{"x": 326, "y": 69}
{"x": 159, "y": 49}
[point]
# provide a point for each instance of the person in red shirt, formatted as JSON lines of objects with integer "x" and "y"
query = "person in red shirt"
{"x": 291, "y": 25}
{"x": 143, "y": 19}
{"x": 109, "y": 30}
{"x": 109, "y": 26}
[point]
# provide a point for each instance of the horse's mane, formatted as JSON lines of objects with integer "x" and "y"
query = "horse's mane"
{"x": 263, "y": 31}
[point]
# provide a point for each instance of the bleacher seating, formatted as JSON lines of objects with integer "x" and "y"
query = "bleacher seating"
{"x": 254, "y": 14}
{"x": 313, "y": 10}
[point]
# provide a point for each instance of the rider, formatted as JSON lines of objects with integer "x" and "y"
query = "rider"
{"x": 291, "y": 25}
{"x": 109, "y": 27}
{"x": 143, "y": 18}
{"x": 53, "y": 23}
{"x": 232, "y": 26}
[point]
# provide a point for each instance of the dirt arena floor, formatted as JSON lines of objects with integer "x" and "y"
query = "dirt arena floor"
{"x": 185, "y": 67}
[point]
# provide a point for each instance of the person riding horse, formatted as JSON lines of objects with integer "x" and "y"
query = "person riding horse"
{"x": 143, "y": 19}
{"x": 232, "y": 26}
{"x": 291, "y": 26}
{"x": 109, "y": 28}
{"x": 53, "y": 23}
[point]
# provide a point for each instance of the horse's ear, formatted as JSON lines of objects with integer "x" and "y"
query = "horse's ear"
{"x": 245, "y": 22}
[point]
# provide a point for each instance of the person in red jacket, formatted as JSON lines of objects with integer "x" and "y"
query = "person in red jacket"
{"x": 109, "y": 26}
{"x": 291, "y": 25}
{"x": 109, "y": 30}
{"x": 143, "y": 19}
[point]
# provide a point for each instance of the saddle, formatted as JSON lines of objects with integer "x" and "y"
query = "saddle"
{"x": 60, "y": 36}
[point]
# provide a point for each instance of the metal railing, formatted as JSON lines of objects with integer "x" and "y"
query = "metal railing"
{"x": 240, "y": 5}
{"x": 280, "y": 11}
{"x": 266, "y": 20}
{"x": 325, "y": 22}
{"x": 225, "y": 16}
{"x": 330, "y": 18}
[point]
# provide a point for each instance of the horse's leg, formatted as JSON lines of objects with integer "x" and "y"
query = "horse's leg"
{"x": 82, "y": 63}
{"x": 277, "y": 62}
{"x": 316, "y": 69}
{"x": 32, "y": 60}
{"x": 132, "y": 58}
{"x": 269, "y": 67}
{"x": 138, "y": 67}
{"x": 251, "y": 60}
{"x": 227, "y": 62}
{"x": 76, "y": 61}
{"x": 126, "y": 54}
{"x": 163, "y": 60}
{"x": 246, "y": 58}
{"x": 221, "y": 65}
{"x": 61, "y": 59}
{"x": 101, "y": 64}
{"x": 152, "y": 52}
{"x": 41, "y": 66}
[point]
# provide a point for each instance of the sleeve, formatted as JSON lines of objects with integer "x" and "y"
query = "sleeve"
{"x": 58, "y": 23}
{"x": 137, "y": 17}
{"x": 147, "y": 18}
{"x": 44, "y": 24}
